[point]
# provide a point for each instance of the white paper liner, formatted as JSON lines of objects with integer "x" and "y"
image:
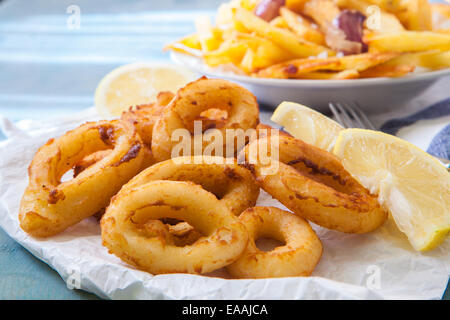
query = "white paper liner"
{"x": 379, "y": 265}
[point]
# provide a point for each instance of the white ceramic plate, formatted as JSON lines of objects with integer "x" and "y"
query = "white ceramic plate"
{"x": 373, "y": 95}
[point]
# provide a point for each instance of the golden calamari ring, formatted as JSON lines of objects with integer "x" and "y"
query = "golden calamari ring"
{"x": 191, "y": 103}
{"x": 131, "y": 231}
{"x": 234, "y": 185}
{"x": 90, "y": 160}
{"x": 297, "y": 257}
{"x": 143, "y": 118}
{"x": 313, "y": 184}
{"x": 48, "y": 205}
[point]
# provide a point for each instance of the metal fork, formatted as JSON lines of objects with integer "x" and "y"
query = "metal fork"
{"x": 351, "y": 116}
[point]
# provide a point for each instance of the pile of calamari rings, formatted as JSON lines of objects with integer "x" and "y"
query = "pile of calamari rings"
{"x": 195, "y": 212}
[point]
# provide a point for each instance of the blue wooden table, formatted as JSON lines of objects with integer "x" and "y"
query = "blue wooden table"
{"x": 48, "y": 69}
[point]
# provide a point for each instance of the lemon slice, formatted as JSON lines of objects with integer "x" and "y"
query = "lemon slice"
{"x": 137, "y": 83}
{"x": 307, "y": 124}
{"x": 411, "y": 184}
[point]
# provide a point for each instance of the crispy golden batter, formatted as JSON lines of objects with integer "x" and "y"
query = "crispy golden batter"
{"x": 90, "y": 160}
{"x": 189, "y": 104}
{"x": 48, "y": 205}
{"x": 234, "y": 185}
{"x": 297, "y": 257}
{"x": 144, "y": 117}
{"x": 313, "y": 184}
{"x": 131, "y": 228}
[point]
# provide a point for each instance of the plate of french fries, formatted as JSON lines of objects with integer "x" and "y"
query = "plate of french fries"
{"x": 378, "y": 53}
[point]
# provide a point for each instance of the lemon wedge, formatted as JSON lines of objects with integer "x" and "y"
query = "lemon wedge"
{"x": 307, "y": 124}
{"x": 137, "y": 83}
{"x": 411, "y": 184}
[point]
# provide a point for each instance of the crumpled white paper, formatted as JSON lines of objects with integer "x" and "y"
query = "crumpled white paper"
{"x": 379, "y": 265}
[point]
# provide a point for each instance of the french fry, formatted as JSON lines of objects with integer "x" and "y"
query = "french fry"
{"x": 323, "y": 12}
{"x": 322, "y": 75}
{"x": 295, "y": 5}
{"x": 248, "y": 4}
{"x": 209, "y": 37}
{"x": 261, "y": 52}
{"x": 418, "y": 15}
{"x": 387, "y": 70}
{"x": 252, "y": 40}
{"x": 346, "y": 74}
{"x": 296, "y": 68}
{"x": 224, "y": 15}
{"x": 229, "y": 52}
{"x": 435, "y": 60}
{"x": 409, "y": 41}
{"x": 272, "y": 54}
{"x": 279, "y": 22}
{"x": 281, "y": 37}
{"x": 188, "y": 45}
{"x": 445, "y": 31}
{"x": 247, "y": 51}
{"x": 377, "y": 20}
{"x": 248, "y": 61}
{"x": 389, "y": 5}
{"x": 302, "y": 27}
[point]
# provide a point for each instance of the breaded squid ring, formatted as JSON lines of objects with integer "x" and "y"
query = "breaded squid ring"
{"x": 313, "y": 184}
{"x": 130, "y": 229}
{"x": 48, "y": 205}
{"x": 234, "y": 185}
{"x": 189, "y": 104}
{"x": 90, "y": 160}
{"x": 143, "y": 118}
{"x": 298, "y": 257}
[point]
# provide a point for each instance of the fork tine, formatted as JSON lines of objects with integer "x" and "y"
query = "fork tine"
{"x": 363, "y": 116}
{"x": 348, "y": 121}
{"x": 340, "y": 115}
{"x": 356, "y": 118}
{"x": 336, "y": 114}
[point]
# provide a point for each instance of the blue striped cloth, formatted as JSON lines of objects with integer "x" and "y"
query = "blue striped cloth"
{"x": 439, "y": 145}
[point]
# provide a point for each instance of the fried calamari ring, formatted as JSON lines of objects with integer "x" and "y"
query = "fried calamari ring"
{"x": 129, "y": 232}
{"x": 191, "y": 102}
{"x": 313, "y": 184}
{"x": 298, "y": 257}
{"x": 48, "y": 205}
{"x": 234, "y": 185}
{"x": 90, "y": 160}
{"x": 144, "y": 117}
